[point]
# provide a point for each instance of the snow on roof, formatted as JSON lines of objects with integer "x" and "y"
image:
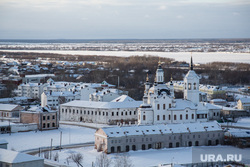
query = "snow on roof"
{"x": 7, "y": 107}
{"x": 13, "y": 99}
{"x": 123, "y": 98}
{"x": 39, "y": 109}
{"x": 161, "y": 129}
{"x": 107, "y": 105}
{"x": 239, "y": 133}
{"x": 183, "y": 104}
{"x": 39, "y": 75}
{"x": 218, "y": 100}
{"x": 3, "y": 141}
{"x": 64, "y": 93}
{"x": 9, "y": 156}
{"x": 210, "y": 106}
{"x": 245, "y": 100}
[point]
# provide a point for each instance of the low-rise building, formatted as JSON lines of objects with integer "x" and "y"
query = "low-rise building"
{"x": 10, "y": 158}
{"x": 10, "y": 112}
{"x": 143, "y": 137}
{"x": 116, "y": 111}
{"x": 3, "y": 144}
{"x": 44, "y": 117}
{"x": 54, "y": 99}
{"x": 220, "y": 102}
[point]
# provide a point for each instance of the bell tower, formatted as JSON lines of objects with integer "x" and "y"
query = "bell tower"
{"x": 191, "y": 85}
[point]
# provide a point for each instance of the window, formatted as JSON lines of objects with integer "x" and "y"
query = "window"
{"x": 112, "y": 113}
{"x": 164, "y": 106}
{"x": 106, "y": 113}
{"x": 186, "y": 116}
{"x": 53, "y": 124}
{"x": 117, "y": 113}
{"x": 181, "y": 117}
{"x": 53, "y": 116}
{"x": 122, "y": 113}
{"x": 192, "y": 116}
{"x": 126, "y": 113}
{"x": 44, "y": 125}
{"x": 158, "y": 117}
{"x": 174, "y": 117}
{"x": 194, "y": 86}
{"x": 185, "y": 86}
{"x": 44, "y": 117}
{"x": 130, "y": 112}
{"x": 189, "y": 86}
{"x": 48, "y": 125}
{"x": 48, "y": 117}
{"x": 164, "y": 117}
{"x": 144, "y": 117}
{"x": 169, "y": 117}
{"x": 158, "y": 106}
{"x": 169, "y": 105}
{"x": 62, "y": 110}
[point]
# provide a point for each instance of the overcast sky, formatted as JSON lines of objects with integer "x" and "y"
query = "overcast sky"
{"x": 124, "y": 19}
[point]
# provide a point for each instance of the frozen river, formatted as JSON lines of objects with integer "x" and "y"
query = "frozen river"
{"x": 199, "y": 57}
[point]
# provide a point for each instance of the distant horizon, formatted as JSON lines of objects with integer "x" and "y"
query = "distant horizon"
{"x": 154, "y": 40}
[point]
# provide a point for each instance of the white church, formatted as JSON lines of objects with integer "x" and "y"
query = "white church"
{"x": 160, "y": 106}
{"x": 163, "y": 121}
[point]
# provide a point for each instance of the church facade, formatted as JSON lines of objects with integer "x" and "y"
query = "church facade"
{"x": 159, "y": 105}
{"x": 163, "y": 121}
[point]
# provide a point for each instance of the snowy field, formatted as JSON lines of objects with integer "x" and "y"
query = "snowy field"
{"x": 146, "y": 158}
{"x": 28, "y": 140}
{"x": 198, "y": 57}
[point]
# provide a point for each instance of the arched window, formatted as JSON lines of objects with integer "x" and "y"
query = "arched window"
{"x": 164, "y": 106}
{"x": 192, "y": 116}
{"x": 158, "y": 106}
{"x": 194, "y": 86}
{"x": 186, "y": 116}
{"x": 174, "y": 117}
{"x": 185, "y": 87}
{"x": 144, "y": 117}
{"x": 158, "y": 117}
{"x": 181, "y": 117}
{"x": 189, "y": 86}
{"x": 169, "y": 117}
{"x": 164, "y": 117}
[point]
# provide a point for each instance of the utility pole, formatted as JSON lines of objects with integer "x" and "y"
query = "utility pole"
{"x": 51, "y": 148}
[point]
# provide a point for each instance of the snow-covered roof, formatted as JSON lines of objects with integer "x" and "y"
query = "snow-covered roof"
{"x": 40, "y": 109}
{"x": 161, "y": 129}
{"x": 239, "y": 133}
{"x": 9, "y": 156}
{"x": 3, "y": 141}
{"x": 107, "y": 105}
{"x": 123, "y": 98}
{"x": 39, "y": 75}
{"x": 8, "y": 107}
{"x": 218, "y": 100}
{"x": 245, "y": 100}
{"x": 64, "y": 93}
{"x": 183, "y": 104}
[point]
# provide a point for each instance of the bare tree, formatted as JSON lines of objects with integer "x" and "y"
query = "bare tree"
{"x": 123, "y": 160}
{"x": 103, "y": 161}
{"x": 77, "y": 158}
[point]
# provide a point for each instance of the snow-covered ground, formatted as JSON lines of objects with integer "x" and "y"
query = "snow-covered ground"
{"x": 198, "y": 57}
{"x": 147, "y": 158}
{"x": 28, "y": 140}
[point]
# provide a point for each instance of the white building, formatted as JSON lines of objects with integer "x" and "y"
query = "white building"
{"x": 106, "y": 95}
{"x": 120, "y": 110}
{"x": 37, "y": 78}
{"x": 160, "y": 106}
{"x": 10, "y": 112}
{"x": 54, "y": 99}
{"x": 10, "y": 158}
{"x": 31, "y": 90}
